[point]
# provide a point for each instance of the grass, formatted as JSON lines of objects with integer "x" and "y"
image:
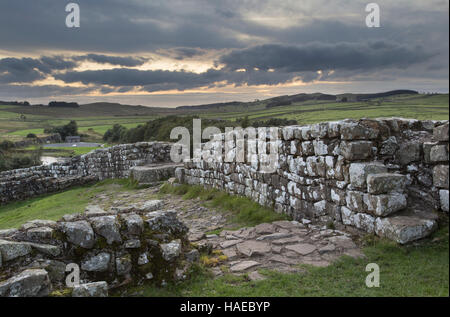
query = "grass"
{"x": 415, "y": 270}
{"x": 243, "y": 211}
{"x": 54, "y": 206}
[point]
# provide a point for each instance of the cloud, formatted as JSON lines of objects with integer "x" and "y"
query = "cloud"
{"x": 113, "y": 60}
{"x": 27, "y": 70}
{"x": 321, "y": 56}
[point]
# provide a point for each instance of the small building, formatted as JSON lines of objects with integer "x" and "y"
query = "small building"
{"x": 73, "y": 139}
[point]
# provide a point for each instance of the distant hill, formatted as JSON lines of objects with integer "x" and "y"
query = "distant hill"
{"x": 290, "y": 99}
{"x": 65, "y": 110}
{"x": 365, "y": 97}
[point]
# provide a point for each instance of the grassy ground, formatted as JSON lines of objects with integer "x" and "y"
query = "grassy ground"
{"x": 53, "y": 206}
{"x": 242, "y": 211}
{"x": 416, "y": 270}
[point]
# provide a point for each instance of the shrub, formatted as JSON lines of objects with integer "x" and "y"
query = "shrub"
{"x": 69, "y": 129}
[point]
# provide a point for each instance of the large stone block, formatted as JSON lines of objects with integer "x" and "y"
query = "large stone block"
{"x": 108, "y": 227}
{"x": 357, "y": 131}
{"x": 29, "y": 283}
{"x": 359, "y": 172}
{"x": 361, "y": 221}
{"x": 440, "y": 176}
{"x": 96, "y": 289}
{"x": 409, "y": 152}
{"x": 404, "y": 229}
{"x": 386, "y": 183}
{"x": 440, "y": 133}
{"x": 427, "y": 146}
{"x": 439, "y": 153}
{"x": 11, "y": 250}
{"x": 384, "y": 205}
{"x": 356, "y": 150}
{"x": 79, "y": 233}
{"x": 355, "y": 201}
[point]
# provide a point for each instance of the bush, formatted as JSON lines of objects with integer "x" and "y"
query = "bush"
{"x": 158, "y": 129}
{"x": 31, "y": 136}
{"x": 70, "y": 129}
{"x": 6, "y": 145}
{"x": 15, "y": 160}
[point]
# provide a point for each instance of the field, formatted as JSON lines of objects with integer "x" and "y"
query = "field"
{"x": 95, "y": 119}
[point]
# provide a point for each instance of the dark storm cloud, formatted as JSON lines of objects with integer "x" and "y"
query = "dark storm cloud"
{"x": 29, "y": 91}
{"x": 320, "y": 56}
{"x": 113, "y": 60}
{"x": 293, "y": 38}
{"x": 157, "y": 80}
{"x": 26, "y": 70}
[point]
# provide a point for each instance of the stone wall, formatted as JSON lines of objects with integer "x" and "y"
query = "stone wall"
{"x": 111, "y": 248}
{"x": 383, "y": 176}
{"x": 114, "y": 162}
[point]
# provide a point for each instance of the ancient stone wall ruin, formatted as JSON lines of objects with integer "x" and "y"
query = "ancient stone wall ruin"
{"x": 114, "y": 162}
{"x": 383, "y": 176}
{"x": 111, "y": 248}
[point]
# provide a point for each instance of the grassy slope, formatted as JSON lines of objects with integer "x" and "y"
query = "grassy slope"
{"x": 53, "y": 206}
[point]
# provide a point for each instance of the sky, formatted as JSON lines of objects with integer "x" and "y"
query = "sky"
{"x": 171, "y": 53}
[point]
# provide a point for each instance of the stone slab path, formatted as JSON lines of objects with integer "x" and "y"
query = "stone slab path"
{"x": 281, "y": 245}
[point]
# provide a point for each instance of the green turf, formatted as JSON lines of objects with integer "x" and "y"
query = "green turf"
{"x": 242, "y": 211}
{"x": 53, "y": 206}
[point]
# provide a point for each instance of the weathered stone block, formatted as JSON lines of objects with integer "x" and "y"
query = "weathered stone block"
{"x": 29, "y": 283}
{"x": 11, "y": 250}
{"x": 439, "y": 153}
{"x": 356, "y": 150}
{"x": 108, "y": 227}
{"x": 384, "y": 205}
{"x": 357, "y": 131}
{"x": 133, "y": 223}
{"x": 97, "y": 263}
{"x": 79, "y": 233}
{"x": 403, "y": 229}
{"x": 409, "y": 152}
{"x": 359, "y": 172}
{"x": 427, "y": 146}
{"x": 440, "y": 176}
{"x": 386, "y": 183}
{"x": 359, "y": 220}
{"x": 355, "y": 201}
{"x": 171, "y": 251}
{"x": 440, "y": 133}
{"x": 97, "y": 289}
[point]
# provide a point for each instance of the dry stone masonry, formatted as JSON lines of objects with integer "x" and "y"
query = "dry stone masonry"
{"x": 114, "y": 162}
{"x": 125, "y": 244}
{"x": 383, "y": 176}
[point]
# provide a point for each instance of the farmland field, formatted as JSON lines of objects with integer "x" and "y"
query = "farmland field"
{"x": 16, "y": 122}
